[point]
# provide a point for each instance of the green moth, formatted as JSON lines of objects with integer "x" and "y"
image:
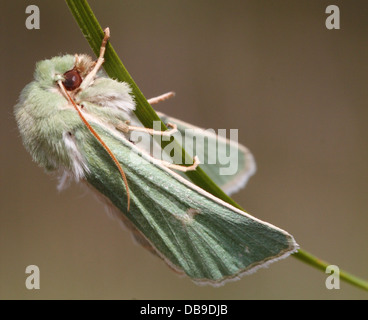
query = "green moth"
{"x": 75, "y": 120}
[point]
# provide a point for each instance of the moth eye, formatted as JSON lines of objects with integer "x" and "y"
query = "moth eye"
{"x": 72, "y": 80}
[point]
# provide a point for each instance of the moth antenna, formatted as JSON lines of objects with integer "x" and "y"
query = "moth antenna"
{"x": 102, "y": 143}
{"x": 89, "y": 78}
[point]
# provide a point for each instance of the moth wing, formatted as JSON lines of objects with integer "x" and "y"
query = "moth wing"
{"x": 216, "y": 148}
{"x": 193, "y": 231}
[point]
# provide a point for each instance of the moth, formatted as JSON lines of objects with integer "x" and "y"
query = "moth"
{"x": 75, "y": 120}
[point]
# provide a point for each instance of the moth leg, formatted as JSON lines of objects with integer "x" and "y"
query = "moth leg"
{"x": 90, "y": 77}
{"x": 162, "y": 97}
{"x": 125, "y": 127}
{"x": 181, "y": 167}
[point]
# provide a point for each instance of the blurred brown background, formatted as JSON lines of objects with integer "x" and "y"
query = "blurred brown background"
{"x": 296, "y": 91}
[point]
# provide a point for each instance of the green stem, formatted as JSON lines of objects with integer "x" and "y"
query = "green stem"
{"x": 322, "y": 265}
{"x": 93, "y": 32}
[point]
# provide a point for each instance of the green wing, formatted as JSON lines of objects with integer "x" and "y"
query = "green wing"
{"x": 194, "y": 232}
{"x": 202, "y": 139}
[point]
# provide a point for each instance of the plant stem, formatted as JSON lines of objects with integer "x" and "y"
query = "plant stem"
{"x": 322, "y": 265}
{"x": 93, "y": 32}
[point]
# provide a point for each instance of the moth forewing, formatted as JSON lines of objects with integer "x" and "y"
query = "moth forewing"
{"x": 193, "y": 231}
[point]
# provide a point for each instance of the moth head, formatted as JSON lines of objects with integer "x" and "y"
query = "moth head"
{"x": 73, "y": 78}
{"x": 71, "y": 70}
